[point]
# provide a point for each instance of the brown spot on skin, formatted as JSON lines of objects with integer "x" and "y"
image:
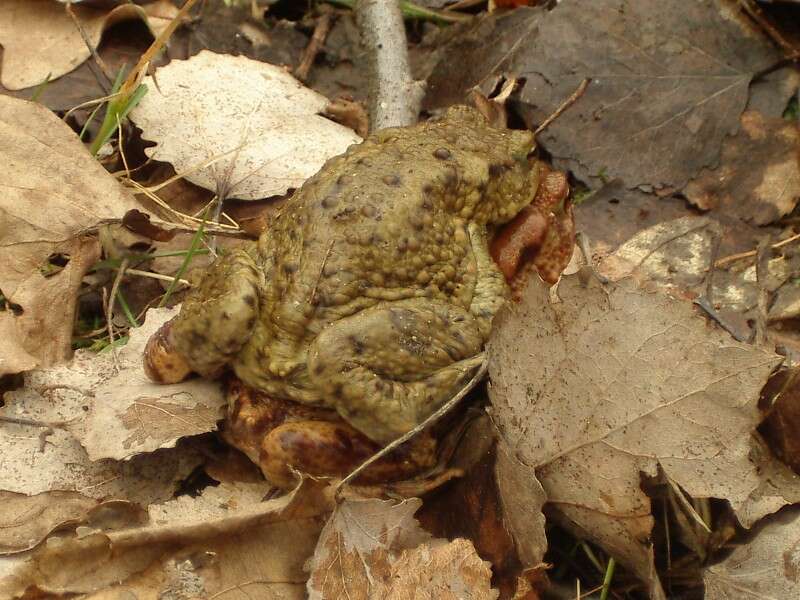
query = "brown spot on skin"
{"x": 337, "y": 391}
{"x": 289, "y": 268}
{"x": 251, "y": 322}
{"x": 358, "y": 345}
{"x": 329, "y": 201}
{"x": 319, "y": 369}
{"x": 344, "y": 180}
{"x": 392, "y": 180}
{"x": 442, "y": 153}
{"x": 345, "y": 213}
{"x": 497, "y": 170}
{"x": 364, "y": 162}
{"x": 250, "y": 301}
{"x": 427, "y": 188}
{"x": 368, "y": 210}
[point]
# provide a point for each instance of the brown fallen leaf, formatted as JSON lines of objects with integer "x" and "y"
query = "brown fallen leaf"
{"x": 226, "y": 539}
{"x": 765, "y": 567}
{"x": 594, "y": 386}
{"x": 27, "y": 520}
{"x": 662, "y": 97}
{"x": 40, "y": 39}
{"x": 53, "y": 192}
{"x": 376, "y": 549}
{"x": 758, "y": 178}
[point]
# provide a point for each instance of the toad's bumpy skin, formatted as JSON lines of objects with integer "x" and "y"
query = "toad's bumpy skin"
{"x": 373, "y": 290}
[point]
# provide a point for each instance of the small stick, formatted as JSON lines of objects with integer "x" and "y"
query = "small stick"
{"x": 443, "y": 410}
{"x": 111, "y": 298}
{"x": 321, "y": 31}
{"x": 734, "y": 257}
{"x": 762, "y": 273}
{"x": 564, "y": 105}
{"x": 100, "y": 63}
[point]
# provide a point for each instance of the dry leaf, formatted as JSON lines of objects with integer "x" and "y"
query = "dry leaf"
{"x": 264, "y": 139}
{"x": 677, "y": 255}
{"x": 758, "y": 178}
{"x": 600, "y": 385}
{"x": 34, "y": 460}
{"x": 376, "y": 549}
{"x": 143, "y": 415}
{"x": 241, "y": 543}
{"x": 26, "y": 520}
{"x": 40, "y": 39}
{"x": 765, "y": 568}
{"x": 663, "y": 94}
{"x": 52, "y": 191}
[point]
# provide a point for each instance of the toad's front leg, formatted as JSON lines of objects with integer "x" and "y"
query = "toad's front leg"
{"x": 389, "y": 367}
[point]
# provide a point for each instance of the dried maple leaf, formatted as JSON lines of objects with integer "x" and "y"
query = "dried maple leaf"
{"x": 597, "y": 386}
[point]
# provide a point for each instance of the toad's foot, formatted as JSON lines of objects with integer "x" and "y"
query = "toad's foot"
{"x": 387, "y": 368}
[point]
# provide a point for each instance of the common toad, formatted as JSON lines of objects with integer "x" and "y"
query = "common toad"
{"x": 372, "y": 292}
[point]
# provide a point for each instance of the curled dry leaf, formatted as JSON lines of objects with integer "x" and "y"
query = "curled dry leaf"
{"x": 51, "y": 192}
{"x": 766, "y": 567}
{"x": 206, "y": 545}
{"x": 376, "y": 549}
{"x": 594, "y": 386}
{"x": 40, "y": 39}
{"x": 261, "y": 141}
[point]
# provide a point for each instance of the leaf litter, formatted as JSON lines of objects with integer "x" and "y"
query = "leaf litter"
{"x": 96, "y": 465}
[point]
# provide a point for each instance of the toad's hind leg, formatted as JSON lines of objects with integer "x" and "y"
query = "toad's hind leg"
{"x": 387, "y": 368}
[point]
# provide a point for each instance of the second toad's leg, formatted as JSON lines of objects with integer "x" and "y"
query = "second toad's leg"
{"x": 388, "y": 367}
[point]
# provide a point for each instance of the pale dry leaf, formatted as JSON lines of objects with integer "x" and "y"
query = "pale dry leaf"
{"x": 376, "y": 549}
{"x": 51, "y": 192}
{"x": 767, "y": 567}
{"x": 145, "y": 416}
{"x": 245, "y": 544}
{"x": 264, "y": 139}
{"x": 40, "y": 39}
{"x": 37, "y": 459}
{"x": 677, "y": 254}
{"x": 598, "y": 385}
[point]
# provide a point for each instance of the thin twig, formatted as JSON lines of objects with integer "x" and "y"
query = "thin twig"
{"x": 564, "y": 105}
{"x": 443, "y": 410}
{"x": 321, "y": 30}
{"x": 734, "y": 257}
{"x": 100, "y": 62}
{"x": 762, "y": 274}
{"x": 112, "y": 297}
{"x": 158, "y": 276}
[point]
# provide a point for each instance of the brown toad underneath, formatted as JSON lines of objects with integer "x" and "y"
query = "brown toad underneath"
{"x": 372, "y": 292}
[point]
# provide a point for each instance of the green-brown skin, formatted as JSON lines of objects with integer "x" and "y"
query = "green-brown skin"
{"x": 372, "y": 291}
